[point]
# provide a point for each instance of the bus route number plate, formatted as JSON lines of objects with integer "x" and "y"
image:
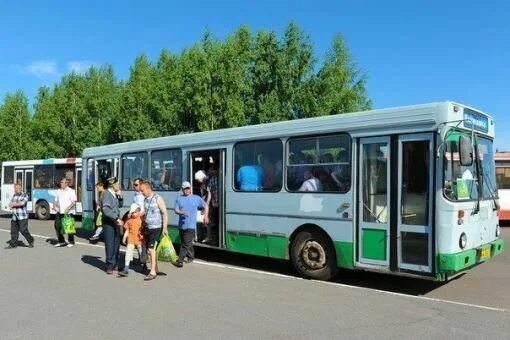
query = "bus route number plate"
{"x": 486, "y": 253}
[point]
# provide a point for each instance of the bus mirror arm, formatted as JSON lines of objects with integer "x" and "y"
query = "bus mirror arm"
{"x": 440, "y": 126}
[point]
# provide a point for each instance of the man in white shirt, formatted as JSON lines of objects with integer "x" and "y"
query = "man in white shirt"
{"x": 65, "y": 202}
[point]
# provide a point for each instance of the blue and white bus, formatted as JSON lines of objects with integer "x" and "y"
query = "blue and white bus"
{"x": 405, "y": 191}
{"x": 40, "y": 179}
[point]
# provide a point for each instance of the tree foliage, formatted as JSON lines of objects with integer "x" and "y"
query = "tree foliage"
{"x": 246, "y": 78}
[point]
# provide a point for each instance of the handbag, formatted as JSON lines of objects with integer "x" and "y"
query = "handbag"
{"x": 68, "y": 226}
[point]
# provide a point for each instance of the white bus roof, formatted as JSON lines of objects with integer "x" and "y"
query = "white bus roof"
{"x": 49, "y": 161}
{"x": 407, "y": 119}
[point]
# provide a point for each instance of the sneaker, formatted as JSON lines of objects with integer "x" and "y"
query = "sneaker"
{"x": 10, "y": 246}
{"x": 31, "y": 245}
{"x": 94, "y": 238}
{"x": 123, "y": 273}
{"x": 70, "y": 245}
{"x": 178, "y": 264}
{"x": 58, "y": 245}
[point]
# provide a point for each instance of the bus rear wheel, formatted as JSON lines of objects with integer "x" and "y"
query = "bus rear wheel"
{"x": 42, "y": 210}
{"x": 313, "y": 255}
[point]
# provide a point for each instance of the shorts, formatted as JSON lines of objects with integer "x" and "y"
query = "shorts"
{"x": 152, "y": 237}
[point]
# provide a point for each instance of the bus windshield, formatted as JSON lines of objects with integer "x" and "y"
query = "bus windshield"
{"x": 486, "y": 156}
{"x": 461, "y": 182}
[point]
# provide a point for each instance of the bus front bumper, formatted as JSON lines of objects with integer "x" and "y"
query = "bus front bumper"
{"x": 452, "y": 264}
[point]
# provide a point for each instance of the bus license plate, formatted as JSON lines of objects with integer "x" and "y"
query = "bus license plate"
{"x": 486, "y": 253}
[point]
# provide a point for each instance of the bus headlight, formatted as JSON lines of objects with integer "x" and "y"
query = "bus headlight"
{"x": 498, "y": 231}
{"x": 463, "y": 241}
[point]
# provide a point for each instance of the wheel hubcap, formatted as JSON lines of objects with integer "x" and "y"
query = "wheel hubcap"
{"x": 314, "y": 255}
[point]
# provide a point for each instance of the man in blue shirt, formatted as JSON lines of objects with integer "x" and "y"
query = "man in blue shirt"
{"x": 186, "y": 206}
{"x": 19, "y": 222}
{"x": 250, "y": 178}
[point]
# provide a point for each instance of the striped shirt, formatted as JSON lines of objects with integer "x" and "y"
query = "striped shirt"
{"x": 20, "y": 213}
{"x": 153, "y": 217}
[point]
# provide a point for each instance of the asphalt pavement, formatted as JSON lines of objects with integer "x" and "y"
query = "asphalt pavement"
{"x": 63, "y": 293}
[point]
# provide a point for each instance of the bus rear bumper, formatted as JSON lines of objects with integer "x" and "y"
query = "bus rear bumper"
{"x": 452, "y": 264}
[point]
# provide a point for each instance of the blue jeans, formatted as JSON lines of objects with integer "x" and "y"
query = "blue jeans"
{"x": 111, "y": 245}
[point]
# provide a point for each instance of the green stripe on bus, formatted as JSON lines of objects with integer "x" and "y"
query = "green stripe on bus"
{"x": 344, "y": 254}
{"x": 260, "y": 244}
{"x": 374, "y": 244}
{"x": 454, "y": 263}
{"x": 173, "y": 232}
{"x": 87, "y": 223}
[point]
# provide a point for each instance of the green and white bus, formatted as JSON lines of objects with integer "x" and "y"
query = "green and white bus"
{"x": 406, "y": 191}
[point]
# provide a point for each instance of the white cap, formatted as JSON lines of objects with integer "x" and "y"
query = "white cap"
{"x": 134, "y": 207}
{"x": 186, "y": 184}
{"x": 200, "y": 175}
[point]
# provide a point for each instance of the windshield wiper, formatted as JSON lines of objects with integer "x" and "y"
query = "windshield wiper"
{"x": 478, "y": 179}
{"x": 491, "y": 190}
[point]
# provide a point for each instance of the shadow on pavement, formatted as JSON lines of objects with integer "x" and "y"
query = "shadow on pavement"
{"x": 94, "y": 261}
{"x": 385, "y": 282}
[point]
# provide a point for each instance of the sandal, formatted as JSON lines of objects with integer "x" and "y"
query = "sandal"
{"x": 150, "y": 277}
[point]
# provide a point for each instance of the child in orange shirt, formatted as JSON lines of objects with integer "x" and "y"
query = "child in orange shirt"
{"x": 133, "y": 236}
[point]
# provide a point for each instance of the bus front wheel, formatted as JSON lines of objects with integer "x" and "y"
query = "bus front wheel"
{"x": 42, "y": 210}
{"x": 313, "y": 255}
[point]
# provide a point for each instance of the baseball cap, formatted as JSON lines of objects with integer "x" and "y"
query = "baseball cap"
{"x": 134, "y": 207}
{"x": 186, "y": 184}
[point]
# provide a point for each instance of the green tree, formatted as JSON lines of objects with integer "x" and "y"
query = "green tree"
{"x": 15, "y": 129}
{"x": 137, "y": 109}
{"x": 168, "y": 96}
{"x": 340, "y": 86}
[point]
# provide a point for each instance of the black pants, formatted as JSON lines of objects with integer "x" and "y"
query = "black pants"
{"x": 111, "y": 245}
{"x": 187, "y": 236}
{"x": 20, "y": 226}
{"x": 58, "y": 230}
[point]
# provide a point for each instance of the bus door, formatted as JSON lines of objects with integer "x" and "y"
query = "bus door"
{"x": 414, "y": 209}
{"x": 25, "y": 178}
{"x": 104, "y": 169}
{"x": 374, "y": 202}
{"x": 212, "y": 163}
{"x": 77, "y": 175}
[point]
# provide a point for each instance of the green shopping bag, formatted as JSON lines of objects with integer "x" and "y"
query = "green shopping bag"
{"x": 67, "y": 225}
{"x": 166, "y": 251}
{"x": 99, "y": 219}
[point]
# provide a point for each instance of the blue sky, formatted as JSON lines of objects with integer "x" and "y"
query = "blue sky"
{"x": 412, "y": 51}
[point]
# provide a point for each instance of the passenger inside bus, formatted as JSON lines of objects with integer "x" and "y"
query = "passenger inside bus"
{"x": 312, "y": 182}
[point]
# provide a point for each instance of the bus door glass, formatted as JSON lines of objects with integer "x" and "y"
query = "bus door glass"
{"x": 25, "y": 178}
{"x": 28, "y": 187}
{"x": 415, "y": 188}
{"x": 374, "y": 201}
{"x": 79, "y": 207}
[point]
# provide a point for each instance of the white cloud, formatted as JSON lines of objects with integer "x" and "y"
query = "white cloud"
{"x": 80, "y": 66}
{"x": 42, "y": 69}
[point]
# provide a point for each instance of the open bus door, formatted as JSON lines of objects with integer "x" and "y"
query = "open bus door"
{"x": 212, "y": 162}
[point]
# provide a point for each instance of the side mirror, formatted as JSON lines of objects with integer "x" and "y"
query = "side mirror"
{"x": 465, "y": 151}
